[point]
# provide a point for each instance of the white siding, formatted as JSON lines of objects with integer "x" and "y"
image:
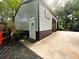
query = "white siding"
{"x": 25, "y": 12}
{"x": 45, "y": 24}
{"x": 24, "y": 1}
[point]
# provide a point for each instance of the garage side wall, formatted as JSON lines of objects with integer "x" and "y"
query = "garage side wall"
{"x": 45, "y": 21}
{"x": 25, "y": 12}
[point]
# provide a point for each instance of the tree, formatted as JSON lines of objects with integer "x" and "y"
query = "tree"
{"x": 8, "y": 7}
{"x": 70, "y": 14}
{"x": 12, "y": 6}
{"x": 2, "y": 8}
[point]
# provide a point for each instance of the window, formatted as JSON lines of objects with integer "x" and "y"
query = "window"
{"x": 46, "y": 14}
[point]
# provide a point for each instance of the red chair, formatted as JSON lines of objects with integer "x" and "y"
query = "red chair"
{"x": 1, "y": 36}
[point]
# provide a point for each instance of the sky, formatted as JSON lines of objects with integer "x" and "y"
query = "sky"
{"x": 60, "y": 2}
{"x": 51, "y": 3}
{"x": 0, "y": 0}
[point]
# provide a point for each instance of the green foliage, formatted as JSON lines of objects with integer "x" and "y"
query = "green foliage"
{"x": 76, "y": 14}
{"x": 8, "y": 7}
{"x": 2, "y": 8}
{"x": 13, "y": 4}
{"x": 71, "y": 15}
{"x": 61, "y": 24}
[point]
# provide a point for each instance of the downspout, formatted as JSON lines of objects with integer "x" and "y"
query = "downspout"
{"x": 38, "y": 23}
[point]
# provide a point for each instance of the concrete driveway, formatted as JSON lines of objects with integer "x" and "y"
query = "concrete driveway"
{"x": 59, "y": 45}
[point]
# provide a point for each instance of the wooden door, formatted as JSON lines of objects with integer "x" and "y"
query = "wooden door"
{"x": 53, "y": 25}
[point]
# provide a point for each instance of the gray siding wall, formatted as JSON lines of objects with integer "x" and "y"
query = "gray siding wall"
{"x": 25, "y": 12}
{"x": 45, "y": 18}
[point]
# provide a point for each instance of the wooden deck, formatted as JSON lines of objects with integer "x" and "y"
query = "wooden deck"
{"x": 59, "y": 45}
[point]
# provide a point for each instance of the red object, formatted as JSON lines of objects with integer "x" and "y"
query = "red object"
{"x": 1, "y": 38}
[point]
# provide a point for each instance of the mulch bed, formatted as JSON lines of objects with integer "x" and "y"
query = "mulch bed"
{"x": 19, "y": 51}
